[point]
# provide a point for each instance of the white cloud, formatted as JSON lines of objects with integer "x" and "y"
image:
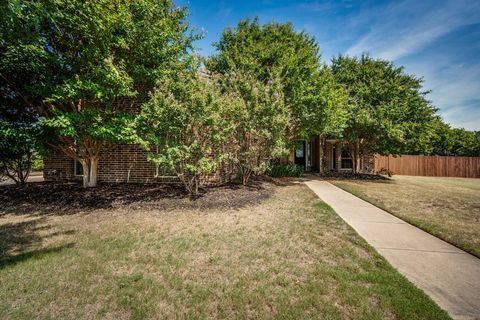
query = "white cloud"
{"x": 406, "y": 27}
{"x": 406, "y": 31}
{"x": 224, "y": 12}
{"x": 455, "y": 88}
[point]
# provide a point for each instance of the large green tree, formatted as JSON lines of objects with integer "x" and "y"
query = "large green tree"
{"x": 389, "y": 111}
{"x": 442, "y": 141}
{"x": 73, "y": 60}
{"x": 448, "y": 141}
{"x": 275, "y": 52}
{"x": 465, "y": 143}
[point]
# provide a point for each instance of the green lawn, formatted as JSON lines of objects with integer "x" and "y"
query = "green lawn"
{"x": 448, "y": 208}
{"x": 288, "y": 257}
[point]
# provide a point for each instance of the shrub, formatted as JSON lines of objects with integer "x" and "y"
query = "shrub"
{"x": 37, "y": 164}
{"x": 18, "y": 145}
{"x": 284, "y": 170}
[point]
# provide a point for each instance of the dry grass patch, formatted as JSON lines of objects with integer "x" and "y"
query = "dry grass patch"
{"x": 287, "y": 256}
{"x": 448, "y": 208}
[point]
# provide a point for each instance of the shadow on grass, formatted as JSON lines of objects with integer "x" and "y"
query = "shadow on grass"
{"x": 13, "y": 260}
{"x": 70, "y": 198}
{"x": 18, "y": 240}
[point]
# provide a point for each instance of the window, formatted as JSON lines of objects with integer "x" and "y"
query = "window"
{"x": 77, "y": 168}
{"x": 346, "y": 160}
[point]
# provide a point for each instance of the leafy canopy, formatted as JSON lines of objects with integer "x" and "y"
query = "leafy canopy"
{"x": 90, "y": 50}
{"x": 275, "y": 51}
{"x": 259, "y": 118}
{"x": 184, "y": 128}
{"x": 389, "y": 111}
{"x": 73, "y": 61}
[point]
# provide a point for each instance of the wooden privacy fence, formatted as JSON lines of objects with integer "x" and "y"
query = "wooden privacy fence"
{"x": 435, "y": 166}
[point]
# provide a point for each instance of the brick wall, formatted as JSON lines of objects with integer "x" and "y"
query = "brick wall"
{"x": 58, "y": 167}
{"x": 122, "y": 163}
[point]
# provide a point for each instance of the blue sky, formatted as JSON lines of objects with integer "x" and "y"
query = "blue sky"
{"x": 435, "y": 39}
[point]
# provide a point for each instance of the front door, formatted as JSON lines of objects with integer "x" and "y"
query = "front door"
{"x": 300, "y": 154}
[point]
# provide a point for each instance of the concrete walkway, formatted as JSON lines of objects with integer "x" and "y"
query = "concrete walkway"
{"x": 450, "y": 276}
{"x": 34, "y": 177}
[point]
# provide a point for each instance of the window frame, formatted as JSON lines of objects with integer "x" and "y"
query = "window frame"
{"x": 76, "y": 166}
{"x": 342, "y": 158}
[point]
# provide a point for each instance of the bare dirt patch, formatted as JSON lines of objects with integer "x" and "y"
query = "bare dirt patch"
{"x": 353, "y": 176}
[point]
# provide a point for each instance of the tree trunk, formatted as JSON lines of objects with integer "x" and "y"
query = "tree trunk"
{"x": 25, "y": 169}
{"x": 246, "y": 173}
{"x": 90, "y": 171}
{"x": 358, "y": 164}
{"x": 92, "y": 179}
{"x": 354, "y": 152}
{"x": 86, "y": 171}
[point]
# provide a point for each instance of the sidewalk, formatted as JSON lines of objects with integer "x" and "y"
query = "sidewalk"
{"x": 450, "y": 276}
{"x": 34, "y": 177}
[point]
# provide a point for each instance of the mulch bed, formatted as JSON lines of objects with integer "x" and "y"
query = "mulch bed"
{"x": 68, "y": 198}
{"x": 352, "y": 176}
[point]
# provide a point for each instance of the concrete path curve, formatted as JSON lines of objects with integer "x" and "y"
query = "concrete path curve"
{"x": 450, "y": 276}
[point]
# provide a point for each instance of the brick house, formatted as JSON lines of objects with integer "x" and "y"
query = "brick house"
{"x": 128, "y": 163}
{"x": 122, "y": 163}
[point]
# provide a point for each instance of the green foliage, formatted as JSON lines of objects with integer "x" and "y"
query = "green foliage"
{"x": 18, "y": 146}
{"x": 65, "y": 64}
{"x": 75, "y": 128}
{"x": 389, "y": 111}
{"x": 441, "y": 143}
{"x": 69, "y": 61}
{"x": 37, "y": 163}
{"x": 448, "y": 141}
{"x": 456, "y": 142}
{"x": 283, "y": 170}
{"x": 259, "y": 119}
{"x": 276, "y": 52}
{"x": 465, "y": 143}
{"x": 284, "y": 90}
{"x": 183, "y": 128}
{"x": 94, "y": 50}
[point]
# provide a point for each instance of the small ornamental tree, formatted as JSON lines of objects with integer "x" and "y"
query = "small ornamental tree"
{"x": 83, "y": 136}
{"x": 183, "y": 129}
{"x": 259, "y": 118}
{"x": 18, "y": 146}
{"x": 389, "y": 112}
{"x": 84, "y": 56}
